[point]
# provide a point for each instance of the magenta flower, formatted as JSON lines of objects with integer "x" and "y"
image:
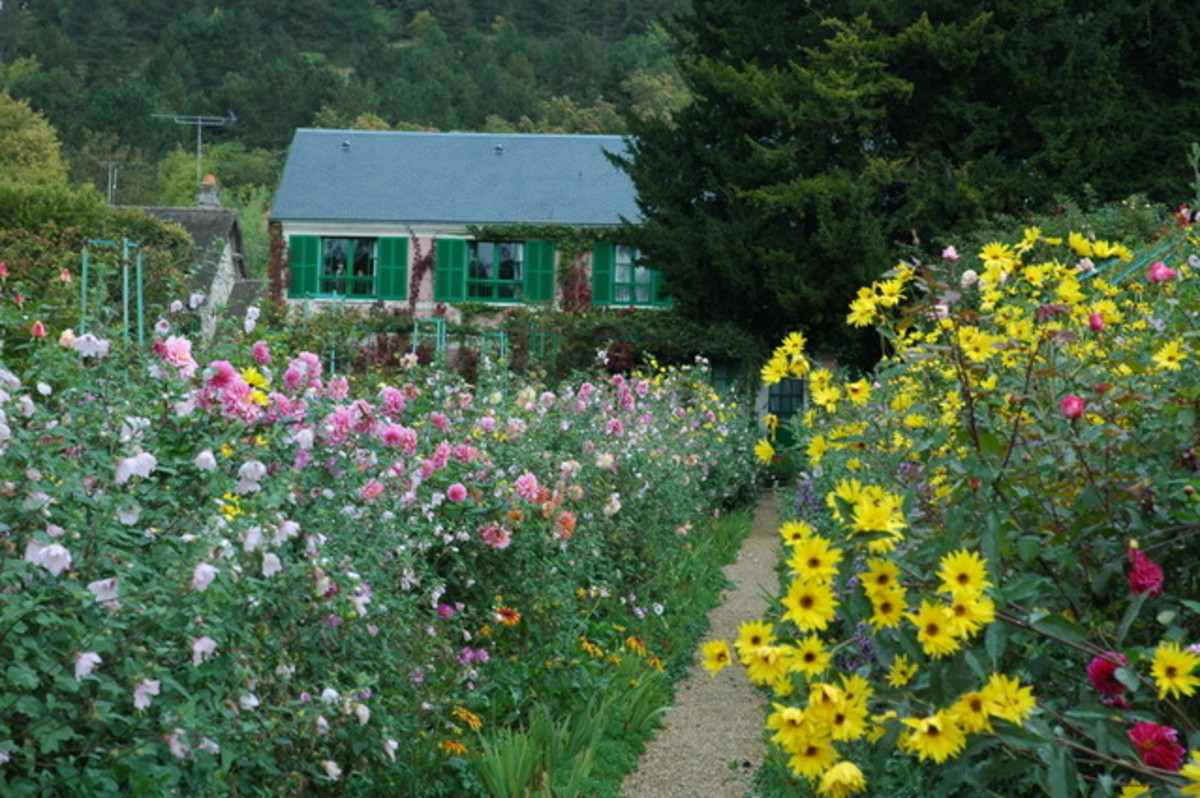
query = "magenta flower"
{"x": 1096, "y": 322}
{"x": 457, "y": 493}
{"x": 1101, "y": 672}
{"x": 1073, "y": 406}
{"x": 261, "y": 353}
{"x": 526, "y": 486}
{"x": 1157, "y": 745}
{"x": 371, "y": 491}
{"x": 1159, "y": 273}
{"x": 1144, "y": 575}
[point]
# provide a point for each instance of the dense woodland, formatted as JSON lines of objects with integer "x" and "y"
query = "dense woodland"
{"x": 99, "y": 72}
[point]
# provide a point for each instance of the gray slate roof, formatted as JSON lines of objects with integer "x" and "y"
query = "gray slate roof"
{"x": 454, "y": 178}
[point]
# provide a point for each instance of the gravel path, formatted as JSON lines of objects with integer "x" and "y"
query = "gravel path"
{"x": 717, "y": 720}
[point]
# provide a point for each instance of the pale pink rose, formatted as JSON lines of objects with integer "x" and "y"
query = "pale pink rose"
{"x": 1159, "y": 273}
{"x": 1073, "y": 406}
{"x": 371, "y": 491}
{"x": 950, "y": 253}
{"x": 139, "y": 465}
{"x": 105, "y": 590}
{"x": 177, "y": 351}
{"x": 495, "y": 535}
{"x": 85, "y": 663}
{"x": 206, "y": 461}
{"x": 202, "y": 649}
{"x": 203, "y": 576}
{"x": 143, "y": 692}
{"x": 53, "y": 557}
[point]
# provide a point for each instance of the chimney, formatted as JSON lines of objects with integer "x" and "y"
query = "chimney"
{"x": 210, "y": 197}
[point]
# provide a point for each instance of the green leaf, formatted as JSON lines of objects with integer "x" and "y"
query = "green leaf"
{"x": 995, "y": 639}
{"x": 1060, "y": 627}
{"x": 1131, "y": 613}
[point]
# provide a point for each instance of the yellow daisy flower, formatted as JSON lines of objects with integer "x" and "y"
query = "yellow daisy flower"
{"x": 811, "y": 606}
{"x": 715, "y": 656}
{"x": 795, "y": 531}
{"x": 935, "y": 629}
{"x": 1191, "y": 772}
{"x": 841, "y": 780}
{"x": 1172, "y": 670}
{"x": 1009, "y": 699}
{"x": 936, "y": 737}
{"x": 752, "y": 635}
{"x": 814, "y": 559}
{"x": 1171, "y": 355}
{"x": 811, "y": 658}
{"x": 963, "y": 571}
{"x": 901, "y": 671}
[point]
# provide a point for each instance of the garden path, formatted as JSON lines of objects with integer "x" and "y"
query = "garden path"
{"x": 717, "y": 720}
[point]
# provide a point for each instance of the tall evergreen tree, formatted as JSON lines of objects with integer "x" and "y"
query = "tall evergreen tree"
{"x": 824, "y": 138}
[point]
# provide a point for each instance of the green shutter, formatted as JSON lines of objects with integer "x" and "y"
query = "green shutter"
{"x": 450, "y": 270}
{"x": 604, "y": 261}
{"x": 392, "y": 268}
{"x": 304, "y": 265}
{"x": 539, "y": 271}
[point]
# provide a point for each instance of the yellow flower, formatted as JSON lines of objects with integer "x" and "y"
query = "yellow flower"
{"x": 936, "y": 737}
{"x": 764, "y": 451}
{"x": 970, "y": 613}
{"x": 452, "y": 747}
{"x": 811, "y": 658}
{"x": 790, "y": 725}
{"x": 1135, "y": 789}
{"x": 963, "y": 571}
{"x": 1191, "y": 772}
{"x": 863, "y": 312}
{"x": 881, "y": 576}
{"x": 1170, "y": 355}
{"x": 774, "y": 371}
{"x": 812, "y": 757}
{"x": 890, "y": 293}
{"x": 814, "y": 559}
{"x": 767, "y": 664}
{"x": 795, "y": 531}
{"x": 464, "y": 715}
{"x": 752, "y": 635}
{"x": 811, "y": 606}
{"x": 841, "y": 780}
{"x": 254, "y": 377}
{"x": 1009, "y": 699}
{"x": 901, "y": 671}
{"x": 858, "y": 392}
{"x": 816, "y": 450}
{"x": 716, "y": 656}
{"x": 1079, "y": 245}
{"x": 935, "y": 629}
{"x": 1172, "y": 670}
{"x": 888, "y": 608}
{"x": 972, "y": 713}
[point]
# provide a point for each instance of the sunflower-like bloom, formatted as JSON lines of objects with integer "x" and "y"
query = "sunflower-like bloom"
{"x": 936, "y": 737}
{"x": 1009, "y": 699}
{"x": 715, "y": 656}
{"x": 841, "y": 780}
{"x": 963, "y": 571}
{"x": 815, "y": 559}
{"x": 935, "y": 629}
{"x": 752, "y": 635}
{"x": 1172, "y": 670}
{"x": 810, "y": 606}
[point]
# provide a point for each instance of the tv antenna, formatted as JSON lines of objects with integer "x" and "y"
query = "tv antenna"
{"x": 200, "y": 122}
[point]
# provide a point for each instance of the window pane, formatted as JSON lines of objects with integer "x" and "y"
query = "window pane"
{"x": 621, "y": 293}
{"x": 622, "y": 273}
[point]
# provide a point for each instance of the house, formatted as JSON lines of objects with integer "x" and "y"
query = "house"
{"x": 426, "y": 220}
{"x": 220, "y": 271}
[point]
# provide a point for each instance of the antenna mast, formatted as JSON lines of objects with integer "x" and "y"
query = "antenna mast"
{"x": 200, "y": 122}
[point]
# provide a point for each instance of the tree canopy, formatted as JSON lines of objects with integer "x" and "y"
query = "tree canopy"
{"x": 825, "y": 138}
{"x": 29, "y": 148}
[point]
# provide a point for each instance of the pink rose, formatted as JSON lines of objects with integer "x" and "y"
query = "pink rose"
{"x": 1145, "y": 575}
{"x": 1073, "y": 406}
{"x": 1159, "y": 273}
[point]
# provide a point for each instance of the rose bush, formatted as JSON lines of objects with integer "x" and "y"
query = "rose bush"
{"x": 248, "y": 576}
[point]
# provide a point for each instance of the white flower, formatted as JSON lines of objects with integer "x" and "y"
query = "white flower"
{"x": 162, "y": 326}
{"x": 176, "y": 305}
{"x": 331, "y": 769}
{"x": 85, "y": 663}
{"x": 249, "y": 701}
{"x": 139, "y": 465}
{"x": 271, "y": 564}
{"x": 330, "y": 696}
{"x": 128, "y": 514}
{"x": 175, "y": 742}
{"x": 206, "y": 461}
{"x": 390, "y": 747}
{"x": 968, "y": 278}
{"x": 362, "y": 712}
{"x": 105, "y": 590}
{"x": 196, "y": 300}
{"x": 322, "y": 725}
{"x": 286, "y": 531}
{"x": 89, "y": 345}
{"x": 44, "y": 389}
{"x": 142, "y": 693}
{"x": 209, "y": 746}
{"x": 202, "y": 649}
{"x": 203, "y": 576}
{"x": 53, "y": 557}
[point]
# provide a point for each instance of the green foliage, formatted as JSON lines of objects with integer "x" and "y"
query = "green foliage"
{"x": 818, "y": 143}
{"x": 29, "y": 148}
